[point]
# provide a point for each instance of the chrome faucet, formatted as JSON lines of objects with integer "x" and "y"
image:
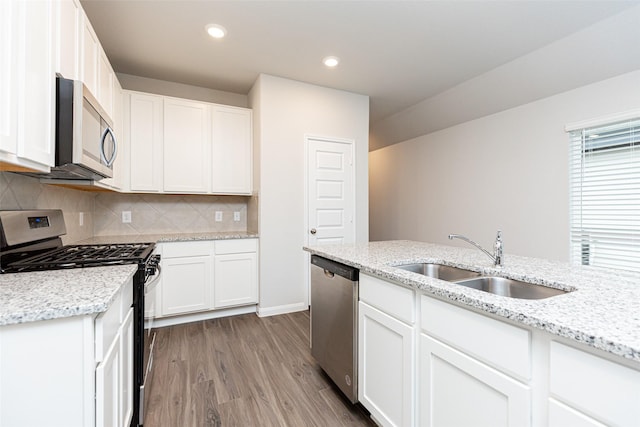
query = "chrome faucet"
{"x": 497, "y": 247}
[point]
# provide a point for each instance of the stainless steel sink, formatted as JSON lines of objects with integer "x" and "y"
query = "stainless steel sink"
{"x": 439, "y": 271}
{"x": 510, "y": 288}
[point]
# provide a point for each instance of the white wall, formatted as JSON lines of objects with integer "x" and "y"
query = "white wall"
{"x": 505, "y": 171}
{"x": 284, "y": 112}
{"x": 179, "y": 90}
{"x": 603, "y": 50}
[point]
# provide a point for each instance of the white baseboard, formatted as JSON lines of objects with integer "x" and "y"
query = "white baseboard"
{"x": 282, "y": 309}
{"x": 196, "y": 317}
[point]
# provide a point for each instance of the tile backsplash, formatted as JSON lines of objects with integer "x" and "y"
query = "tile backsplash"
{"x": 167, "y": 213}
{"x": 150, "y": 213}
{"x": 23, "y": 192}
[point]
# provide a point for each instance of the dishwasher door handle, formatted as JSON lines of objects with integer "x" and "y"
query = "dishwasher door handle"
{"x": 329, "y": 274}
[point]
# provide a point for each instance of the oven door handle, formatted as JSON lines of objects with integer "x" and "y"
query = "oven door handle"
{"x": 150, "y": 285}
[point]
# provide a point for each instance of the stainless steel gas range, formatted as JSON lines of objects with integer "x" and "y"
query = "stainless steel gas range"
{"x": 30, "y": 241}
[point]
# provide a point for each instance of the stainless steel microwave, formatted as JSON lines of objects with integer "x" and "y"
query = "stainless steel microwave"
{"x": 86, "y": 145}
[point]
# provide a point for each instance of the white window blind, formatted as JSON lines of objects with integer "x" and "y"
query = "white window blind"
{"x": 605, "y": 195}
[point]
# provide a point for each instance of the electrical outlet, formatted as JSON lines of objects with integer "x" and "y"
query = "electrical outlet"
{"x": 126, "y": 217}
{"x": 218, "y": 216}
{"x": 81, "y": 216}
{"x": 236, "y": 216}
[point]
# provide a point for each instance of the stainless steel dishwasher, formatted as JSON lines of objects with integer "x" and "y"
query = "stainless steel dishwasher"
{"x": 334, "y": 322}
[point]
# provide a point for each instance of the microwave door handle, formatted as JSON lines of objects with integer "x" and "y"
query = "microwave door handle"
{"x": 112, "y": 159}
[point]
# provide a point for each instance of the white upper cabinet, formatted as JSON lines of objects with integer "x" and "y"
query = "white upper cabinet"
{"x": 187, "y": 146}
{"x": 143, "y": 136}
{"x": 90, "y": 56}
{"x": 120, "y": 171}
{"x": 27, "y": 84}
{"x": 8, "y": 77}
{"x": 69, "y": 32}
{"x": 106, "y": 78}
{"x": 232, "y": 150}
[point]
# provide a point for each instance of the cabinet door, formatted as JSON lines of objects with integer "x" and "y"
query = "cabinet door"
{"x": 108, "y": 387}
{"x": 90, "y": 56}
{"x": 561, "y": 415}
{"x": 105, "y": 83}
{"x": 120, "y": 170}
{"x": 385, "y": 367}
{"x": 143, "y": 124}
{"x": 126, "y": 370}
{"x": 187, "y": 146}
{"x": 232, "y": 150}
{"x": 235, "y": 280}
{"x": 457, "y": 390}
{"x": 186, "y": 284}
{"x": 8, "y": 76}
{"x": 36, "y": 83}
{"x": 69, "y": 27}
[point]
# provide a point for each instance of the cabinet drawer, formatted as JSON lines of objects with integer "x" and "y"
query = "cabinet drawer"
{"x": 499, "y": 344}
{"x": 598, "y": 387}
{"x": 395, "y": 300}
{"x": 185, "y": 249}
{"x": 236, "y": 246}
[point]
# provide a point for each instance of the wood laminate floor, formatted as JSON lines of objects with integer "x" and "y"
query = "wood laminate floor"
{"x": 244, "y": 371}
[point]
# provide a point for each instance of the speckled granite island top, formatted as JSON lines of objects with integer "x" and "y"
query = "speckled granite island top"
{"x": 169, "y": 237}
{"x": 45, "y": 295}
{"x": 602, "y": 311}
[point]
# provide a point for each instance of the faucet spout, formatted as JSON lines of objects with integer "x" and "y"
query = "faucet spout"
{"x": 496, "y": 257}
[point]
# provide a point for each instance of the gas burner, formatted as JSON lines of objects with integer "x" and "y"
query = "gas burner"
{"x": 80, "y": 256}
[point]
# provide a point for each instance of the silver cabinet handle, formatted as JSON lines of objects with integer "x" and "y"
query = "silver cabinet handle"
{"x": 112, "y": 159}
{"x": 313, "y": 231}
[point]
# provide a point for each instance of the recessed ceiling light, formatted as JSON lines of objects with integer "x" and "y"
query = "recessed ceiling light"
{"x": 216, "y": 31}
{"x": 331, "y": 61}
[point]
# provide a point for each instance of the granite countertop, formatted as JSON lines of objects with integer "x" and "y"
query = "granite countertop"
{"x": 29, "y": 297}
{"x": 45, "y": 295}
{"x": 602, "y": 311}
{"x": 169, "y": 237}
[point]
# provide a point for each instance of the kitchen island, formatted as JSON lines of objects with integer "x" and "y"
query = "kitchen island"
{"x": 437, "y": 353}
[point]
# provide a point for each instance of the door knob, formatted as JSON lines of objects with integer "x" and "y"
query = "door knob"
{"x": 313, "y": 231}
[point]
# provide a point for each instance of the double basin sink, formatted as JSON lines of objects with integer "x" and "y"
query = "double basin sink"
{"x": 492, "y": 284}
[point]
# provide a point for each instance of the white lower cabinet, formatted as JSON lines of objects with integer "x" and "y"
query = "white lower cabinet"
{"x": 588, "y": 390}
{"x": 207, "y": 275}
{"x": 475, "y": 369}
{"x": 126, "y": 370}
{"x": 386, "y": 347}
{"x": 235, "y": 273}
{"x": 108, "y": 387}
{"x": 187, "y": 269}
{"x": 385, "y": 368}
{"x": 561, "y": 415}
{"x": 69, "y": 372}
{"x": 457, "y": 390}
{"x": 114, "y": 371}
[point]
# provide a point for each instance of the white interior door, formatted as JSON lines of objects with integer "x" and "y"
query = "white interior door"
{"x": 330, "y": 192}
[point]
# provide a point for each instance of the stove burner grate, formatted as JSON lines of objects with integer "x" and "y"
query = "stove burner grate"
{"x": 78, "y": 256}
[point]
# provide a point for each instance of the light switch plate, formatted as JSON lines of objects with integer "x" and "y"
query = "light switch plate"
{"x": 81, "y": 219}
{"x": 126, "y": 217}
{"x": 218, "y": 216}
{"x": 236, "y": 216}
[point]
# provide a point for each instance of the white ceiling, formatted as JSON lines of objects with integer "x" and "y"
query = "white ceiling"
{"x": 397, "y": 52}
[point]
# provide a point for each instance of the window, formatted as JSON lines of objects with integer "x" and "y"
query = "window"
{"x": 604, "y": 178}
